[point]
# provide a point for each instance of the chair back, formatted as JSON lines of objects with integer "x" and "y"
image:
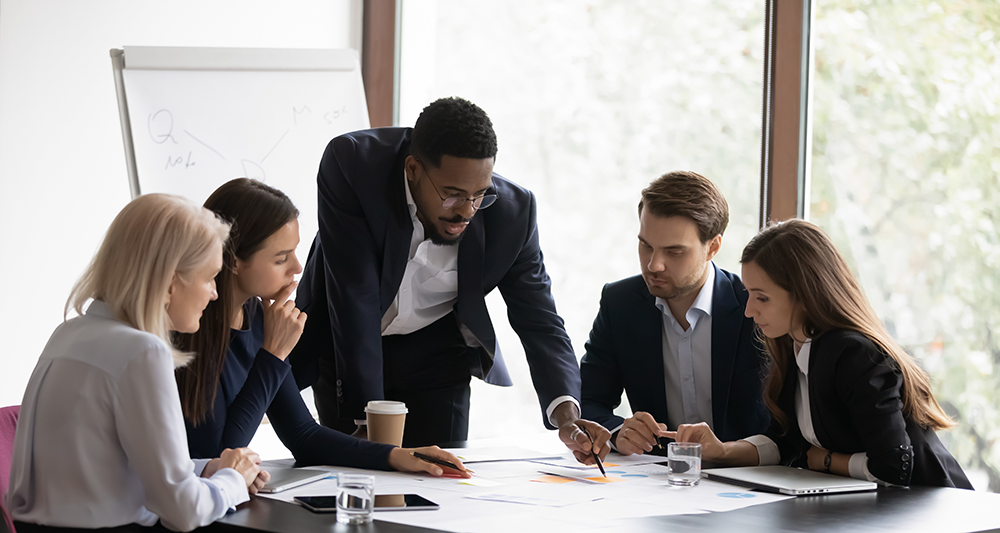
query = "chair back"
{"x": 8, "y": 424}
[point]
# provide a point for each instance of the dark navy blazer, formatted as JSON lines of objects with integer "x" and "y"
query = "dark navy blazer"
{"x": 625, "y": 353}
{"x": 254, "y": 382}
{"x": 358, "y": 257}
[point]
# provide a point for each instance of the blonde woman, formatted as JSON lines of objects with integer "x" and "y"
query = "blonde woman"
{"x": 844, "y": 397}
{"x": 101, "y": 442}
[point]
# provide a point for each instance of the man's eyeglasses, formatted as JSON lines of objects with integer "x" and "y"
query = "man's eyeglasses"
{"x": 454, "y": 202}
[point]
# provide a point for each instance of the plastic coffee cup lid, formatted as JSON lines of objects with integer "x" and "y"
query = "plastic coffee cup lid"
{"x": 385, "y": 407}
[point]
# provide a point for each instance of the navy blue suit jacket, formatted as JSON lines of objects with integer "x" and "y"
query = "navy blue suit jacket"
{"x": 625, "y": 353}
{"x": 356, "y": 265}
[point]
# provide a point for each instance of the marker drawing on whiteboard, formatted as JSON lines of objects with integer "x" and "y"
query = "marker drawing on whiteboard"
{"x": 275, "y": 145}
{"x": 172, "y": 162}
{"x": 253, "y": 171}
{"x": 336, "y": 114}
{"x": 296, "y": 113}
{"x": 161, "y": 126}
{"x": 205, "y": 145}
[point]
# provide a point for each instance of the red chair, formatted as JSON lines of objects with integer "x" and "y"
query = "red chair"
{"x": 8, "y": 423}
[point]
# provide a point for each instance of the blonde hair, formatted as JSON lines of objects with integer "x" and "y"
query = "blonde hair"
{"x": 154, "y": 238}
{"x": 800, "y": 258}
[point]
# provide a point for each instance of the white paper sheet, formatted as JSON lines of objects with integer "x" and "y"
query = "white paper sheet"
{"x": 636, "y": 491}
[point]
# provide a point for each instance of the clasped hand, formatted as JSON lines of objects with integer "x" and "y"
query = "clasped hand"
{"x": 243, "y": 460}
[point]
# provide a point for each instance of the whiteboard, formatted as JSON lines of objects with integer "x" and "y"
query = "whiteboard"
{"x": 195, "y": 118}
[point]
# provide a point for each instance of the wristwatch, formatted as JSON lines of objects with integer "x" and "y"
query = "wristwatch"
{"x": 827, "y": 460}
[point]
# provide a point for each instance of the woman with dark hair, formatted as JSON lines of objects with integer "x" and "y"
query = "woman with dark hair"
{"x": 844, "y": 397}
{"x": 240, "y": 372}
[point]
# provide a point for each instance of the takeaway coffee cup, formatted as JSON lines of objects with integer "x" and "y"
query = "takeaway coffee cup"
{"x": 385, "y": 421}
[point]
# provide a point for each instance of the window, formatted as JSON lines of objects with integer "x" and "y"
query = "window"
{"x": 906, "y": 179}
{"x": 591, "y": 100}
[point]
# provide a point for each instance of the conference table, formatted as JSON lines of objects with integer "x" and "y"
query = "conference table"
{"x": 885, "y": 509}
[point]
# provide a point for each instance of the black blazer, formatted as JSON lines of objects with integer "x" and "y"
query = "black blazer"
{"x": 854, "y": 396}
{"x": 625, "y": 353}
{"x": 358, "y": 257}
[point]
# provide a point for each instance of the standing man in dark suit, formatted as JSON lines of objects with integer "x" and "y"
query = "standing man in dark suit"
{"x": 396, "y": 279}
{"x": 675, "y": 339}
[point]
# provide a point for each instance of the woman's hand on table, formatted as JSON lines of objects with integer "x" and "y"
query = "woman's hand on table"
{"x": 402, "y": 459}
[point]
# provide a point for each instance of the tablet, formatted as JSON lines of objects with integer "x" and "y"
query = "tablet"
{"x": 787, "y": 480}
{"x": 383, "y": 502}
{"x": 287, "y": 478}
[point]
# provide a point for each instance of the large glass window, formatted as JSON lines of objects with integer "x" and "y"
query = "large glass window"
{"x": 591, "y": 100}
{"x": 905, "y": 175}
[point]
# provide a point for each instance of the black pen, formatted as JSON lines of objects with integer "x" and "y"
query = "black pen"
{"x": 593, "y": 452}
{"x": 440, "y": 462}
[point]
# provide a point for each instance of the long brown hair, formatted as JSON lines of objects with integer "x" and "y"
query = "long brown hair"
{"x": 256, "y": 212}
{"x": 800, "y": 258}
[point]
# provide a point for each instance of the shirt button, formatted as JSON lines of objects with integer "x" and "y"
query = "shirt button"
{"x": 902, "y": 446}
{"x": 902, "y": 477}
{"x": 339, "y": 383}
{"x": 905, "y": 457}
{"x": 906, "y": 466}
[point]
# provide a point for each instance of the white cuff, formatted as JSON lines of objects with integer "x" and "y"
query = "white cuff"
{"x": 199, "y": 466}
{"x": 612, "y": 441}
{"x": 232, "y": 487}
{"x": 556, "y": 403}
{"x": 857, "y": 467}
{"x": 767, "y": 450}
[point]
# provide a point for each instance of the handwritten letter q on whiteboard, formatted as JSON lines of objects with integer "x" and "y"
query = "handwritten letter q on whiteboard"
{"x": 194, "y": 118}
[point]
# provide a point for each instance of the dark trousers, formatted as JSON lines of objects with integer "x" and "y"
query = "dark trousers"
{"x": 428, "y": 370}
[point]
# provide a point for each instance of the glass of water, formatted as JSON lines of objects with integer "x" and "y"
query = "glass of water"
{"x": 355, "y": 501}
{"x": 684, "y": 461}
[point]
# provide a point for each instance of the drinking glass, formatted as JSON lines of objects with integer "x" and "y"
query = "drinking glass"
{"x": 356, "y": 498}
{"x": 684, "y": 461}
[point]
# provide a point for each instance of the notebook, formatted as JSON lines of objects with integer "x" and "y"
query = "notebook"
{"x": 787, "y": 480}
{"x": 286, "y": 478}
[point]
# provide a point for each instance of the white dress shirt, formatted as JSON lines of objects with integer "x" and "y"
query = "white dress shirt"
{"x": 429, "y": 290}
{"x": 687, "y": 359}
{"x": 767, "y": 450}
{"x": 101, "y": 441}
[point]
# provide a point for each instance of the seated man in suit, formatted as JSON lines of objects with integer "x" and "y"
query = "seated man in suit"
{"x": 675, "y": 339}
{"x": 396, "y": 280}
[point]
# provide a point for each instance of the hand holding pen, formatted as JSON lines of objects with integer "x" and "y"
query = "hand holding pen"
{"x": 430, "y": 459}
{"x": 588, "y": 440}
{"x": 639, "y": 434}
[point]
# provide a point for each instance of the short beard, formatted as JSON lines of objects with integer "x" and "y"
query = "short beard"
{"x": 435, "y": 236}
{"x": 677, "y": 292}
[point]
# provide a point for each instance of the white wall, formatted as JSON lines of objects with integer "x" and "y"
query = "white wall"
{"x": 62, "y": 165}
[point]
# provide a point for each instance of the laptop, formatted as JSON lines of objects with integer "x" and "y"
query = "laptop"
{"x": 787, "y": 480}
{"x": 287, "y": 478}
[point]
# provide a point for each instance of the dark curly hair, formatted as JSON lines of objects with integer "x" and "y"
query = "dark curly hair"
{"x": 453, "y": 126}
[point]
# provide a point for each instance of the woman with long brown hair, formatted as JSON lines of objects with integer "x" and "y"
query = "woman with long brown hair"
{"x": 240, "y": 372}
{"x": 844, "y": 397}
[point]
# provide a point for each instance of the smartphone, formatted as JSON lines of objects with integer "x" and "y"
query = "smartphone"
{"x": 383, "y": 502}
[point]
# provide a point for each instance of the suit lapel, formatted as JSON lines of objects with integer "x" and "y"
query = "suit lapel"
{"x": 727, "y": 318}
{"x": 399, "y": 230}
{"x": 648, "y": 350}
{"x": 471, "y": 305}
